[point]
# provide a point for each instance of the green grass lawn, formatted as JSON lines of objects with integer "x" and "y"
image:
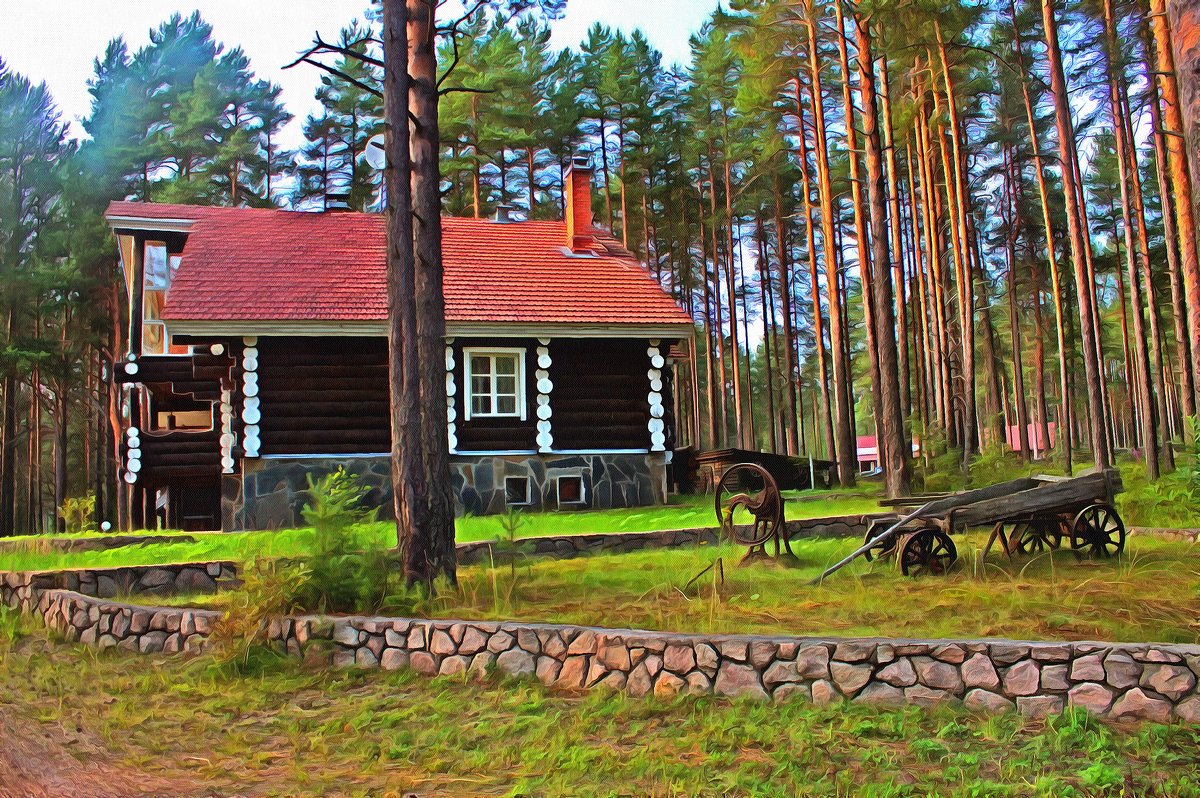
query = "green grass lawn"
{"x": 686, "y": 512}
{"x": 140, "y": 726}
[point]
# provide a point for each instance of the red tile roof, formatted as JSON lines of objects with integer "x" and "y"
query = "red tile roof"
{"x": 244, "y": 264}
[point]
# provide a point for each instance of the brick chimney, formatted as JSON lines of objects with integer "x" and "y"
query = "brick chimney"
{"x": 578, "y": 190}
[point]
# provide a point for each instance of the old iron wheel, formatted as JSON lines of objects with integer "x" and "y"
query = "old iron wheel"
{"x": 1098, "y": 530}
{"x": 885, "y": 548}
{"x": 766, "y": 506}
{"x": 1039, "y": 535}
{"x": 927, "y": 551}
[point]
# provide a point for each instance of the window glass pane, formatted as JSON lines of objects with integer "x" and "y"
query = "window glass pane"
{"x": 570, "y": 489}
{"x": 506, "y": 404}
{"x": 481, "y": 365}
{"x": 156, "y": 266}
{"x": 153, "y": 341}
{"x": 506, "y": 386}
{"x": 506, "y": 364}
{"x": 481, "y": 404}
{"x": 516, "y": 490}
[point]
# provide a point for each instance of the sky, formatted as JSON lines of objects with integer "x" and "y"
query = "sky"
{"x": 271, "y": 32}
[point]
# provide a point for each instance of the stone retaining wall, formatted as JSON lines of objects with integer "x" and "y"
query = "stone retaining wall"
{"x": 21, "y": 589}
{"x": 98, "y": 543}
{"x": 1120, "y": 680}
{"x": 1145, "y": 681}
{"x": 129, "y": 627}
{"x": 1166, "y": 533}
{"x": 622, "y": 542}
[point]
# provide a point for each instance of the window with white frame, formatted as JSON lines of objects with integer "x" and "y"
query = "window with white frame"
{"x": 495, "y": 381}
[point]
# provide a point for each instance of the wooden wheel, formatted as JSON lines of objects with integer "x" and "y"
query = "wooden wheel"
{"x": 1037, "y": 536}
{"x": 927, "y": 551}
{"x": 1099, "y": 531}
{"x": 766, "y": 505}
{"x": 885, "y": 548}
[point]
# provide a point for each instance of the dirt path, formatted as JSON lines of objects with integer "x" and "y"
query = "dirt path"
{"x": 44, "y": 760}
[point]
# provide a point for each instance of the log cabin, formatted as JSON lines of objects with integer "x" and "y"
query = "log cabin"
{"x": 258, "y": 357}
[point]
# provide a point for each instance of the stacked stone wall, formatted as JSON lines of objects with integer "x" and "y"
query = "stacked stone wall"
{"x": 1142, "y": 681}
{"x": 96, "y": 543}
{"x": 20, "y": 589}
{"x": 129, "y": 627}
{"x": 1119, "y": 680}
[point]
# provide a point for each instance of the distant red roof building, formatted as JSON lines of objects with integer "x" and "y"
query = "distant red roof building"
{"x": 245, "y": 264}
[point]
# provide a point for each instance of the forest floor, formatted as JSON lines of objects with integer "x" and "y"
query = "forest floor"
{"x": 77, "y": 722}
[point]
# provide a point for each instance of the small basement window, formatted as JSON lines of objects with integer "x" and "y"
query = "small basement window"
{"x": 570, "y": 490}
{"x": 516, "y": 491}
{"x": 495, "y": 383}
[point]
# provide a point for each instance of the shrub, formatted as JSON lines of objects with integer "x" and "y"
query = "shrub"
{"x": 1174, "y": 499}
{"x": 269, "y": 589}
{"x": 79, "y": 514}
{"x": 349, "y": 568}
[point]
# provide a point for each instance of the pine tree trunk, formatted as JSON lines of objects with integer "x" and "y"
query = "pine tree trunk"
{"x": 1161, "y": 409}
{"x": 893, "y": 184}
{"x": 1065, "y": 410}
{"x": 861, "y": 245}
{"x": 1014, "y": 318}
{"x": 956, "y": 188}
{"x": 893, "y": 455}
{"x": 714, "y": 440}
{"x": 1128, "y": 175}
{"x": 1088, "y": 327}
{"x": 1184, "y": 19}
{"x": 846, "y": 453}
{"x": 790, "y": 373}
{"x": 1186, "y": 389}
{"x": 1178, "y": 166}
{"x": 818, "y": 321}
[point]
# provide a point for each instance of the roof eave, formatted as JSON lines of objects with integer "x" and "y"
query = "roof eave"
{"x": 327, "y": 327}
{"x": 118, "y": 222}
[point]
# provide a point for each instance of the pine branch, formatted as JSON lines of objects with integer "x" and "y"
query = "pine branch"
{"x": 337, "y": 73}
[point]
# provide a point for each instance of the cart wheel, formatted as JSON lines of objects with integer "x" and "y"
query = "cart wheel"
{"x": 1039, "y": 535}
{"x": 927, "y": 551}
{"x": 1098, "y": 530}
{"x": 883, "y": 549}
{"x": 766, "y": 505}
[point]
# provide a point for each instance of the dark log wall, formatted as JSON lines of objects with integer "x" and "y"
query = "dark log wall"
{"x": 600, "y": 393}
{"x": 323, "y": 395}
{"x": 502, "y": 434}
{"x": 330, "y": 396}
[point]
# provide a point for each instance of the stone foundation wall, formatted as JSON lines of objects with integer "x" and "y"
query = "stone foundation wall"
{"x": 609, "y": 480}
{"x": 21, "y": 590}
{"x": 273, "y": 491}
{"x": 1118, "y": 680}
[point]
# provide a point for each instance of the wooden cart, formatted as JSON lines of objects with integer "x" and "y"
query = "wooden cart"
{"x": 1027, "y": 516}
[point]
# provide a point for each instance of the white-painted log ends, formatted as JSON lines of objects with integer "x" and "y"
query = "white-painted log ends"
{"x": 545, "y": 429}
{"x": 656, "y": 426}
{"x": 227, "y": 437}
{"x": 251, "y": 415}
{"x": 451, "y": 390}
{"x": 133, "y": 454}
